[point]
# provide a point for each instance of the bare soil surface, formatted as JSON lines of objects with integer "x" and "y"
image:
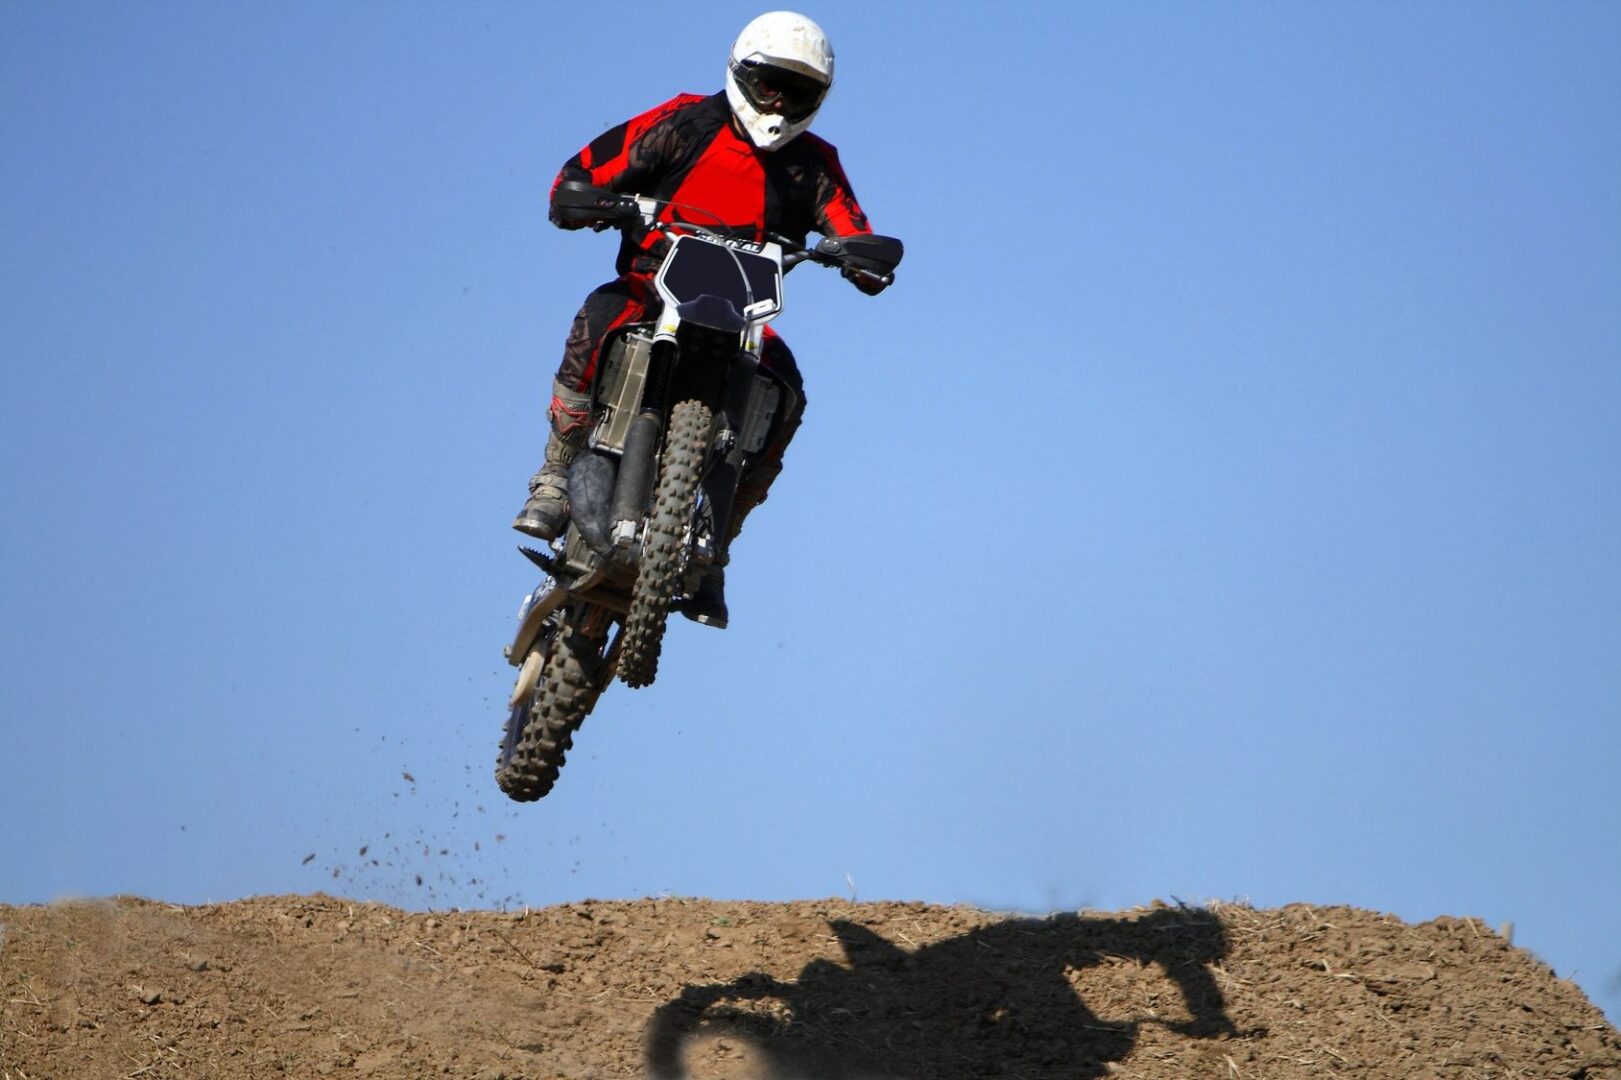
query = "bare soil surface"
{"x": 313, "y": 986}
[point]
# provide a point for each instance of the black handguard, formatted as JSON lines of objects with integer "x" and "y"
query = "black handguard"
{"x": 866, "y": 261}
{"x": 576, "y": 204}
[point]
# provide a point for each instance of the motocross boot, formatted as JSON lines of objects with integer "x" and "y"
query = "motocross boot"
{"x": 546, "y": 512}
{"x": 707, "y": 606}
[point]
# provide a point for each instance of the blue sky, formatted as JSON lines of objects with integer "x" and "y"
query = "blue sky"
{"x": 1225, "y": 503}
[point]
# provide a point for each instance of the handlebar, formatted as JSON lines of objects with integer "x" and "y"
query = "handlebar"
{"x": 864, "y": 257}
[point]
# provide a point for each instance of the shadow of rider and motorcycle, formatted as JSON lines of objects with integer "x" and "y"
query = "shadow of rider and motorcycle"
{"x": 998, "y": 1000}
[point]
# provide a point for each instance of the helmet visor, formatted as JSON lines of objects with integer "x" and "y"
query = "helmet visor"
{"x": 772, "y": 89}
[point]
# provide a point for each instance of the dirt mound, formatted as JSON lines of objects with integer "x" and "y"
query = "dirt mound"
{"x": 315, "y": 986}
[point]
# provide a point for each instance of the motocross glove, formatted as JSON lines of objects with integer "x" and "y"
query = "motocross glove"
{"x": 868, "y": 282}
{"x": 570, "y": 218}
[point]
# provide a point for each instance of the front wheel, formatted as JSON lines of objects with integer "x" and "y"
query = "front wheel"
{"x": 662, "y": 547}
{"x": 540, "y": 730}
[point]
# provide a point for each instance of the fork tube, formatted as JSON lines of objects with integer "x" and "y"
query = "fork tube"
{"x": 636, "y": 469}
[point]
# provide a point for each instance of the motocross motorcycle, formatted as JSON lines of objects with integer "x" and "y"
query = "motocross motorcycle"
{"x": 681, "y": 408}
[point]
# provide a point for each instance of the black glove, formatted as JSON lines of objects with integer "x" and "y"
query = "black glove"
{"x": 868, "y": 282}
{"x": 571, "y": 218}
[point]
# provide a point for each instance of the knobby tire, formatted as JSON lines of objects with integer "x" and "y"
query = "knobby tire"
{"x": 567, "y": 688}
{"x": 660, "y": 571}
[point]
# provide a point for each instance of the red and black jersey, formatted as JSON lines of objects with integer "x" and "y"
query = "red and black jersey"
{"x": 688, "y": 152}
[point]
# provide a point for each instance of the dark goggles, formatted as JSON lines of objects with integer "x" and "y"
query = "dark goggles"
{"x": 772, "y": 89}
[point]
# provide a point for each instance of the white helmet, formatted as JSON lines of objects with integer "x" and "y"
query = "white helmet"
{"x": 780, "y": 70}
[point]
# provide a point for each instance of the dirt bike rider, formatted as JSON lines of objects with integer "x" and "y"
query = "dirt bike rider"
{"x": 742, "y": 154}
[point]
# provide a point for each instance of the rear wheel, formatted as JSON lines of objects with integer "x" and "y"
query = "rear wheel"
{"x": 659, "y": 575}
{"x": 540, "y": 730}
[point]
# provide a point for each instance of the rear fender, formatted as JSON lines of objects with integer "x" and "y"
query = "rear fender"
{"x": 537, "y": 608}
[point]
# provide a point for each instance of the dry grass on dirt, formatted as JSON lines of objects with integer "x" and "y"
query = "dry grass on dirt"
{"x": 315, "y": 986}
